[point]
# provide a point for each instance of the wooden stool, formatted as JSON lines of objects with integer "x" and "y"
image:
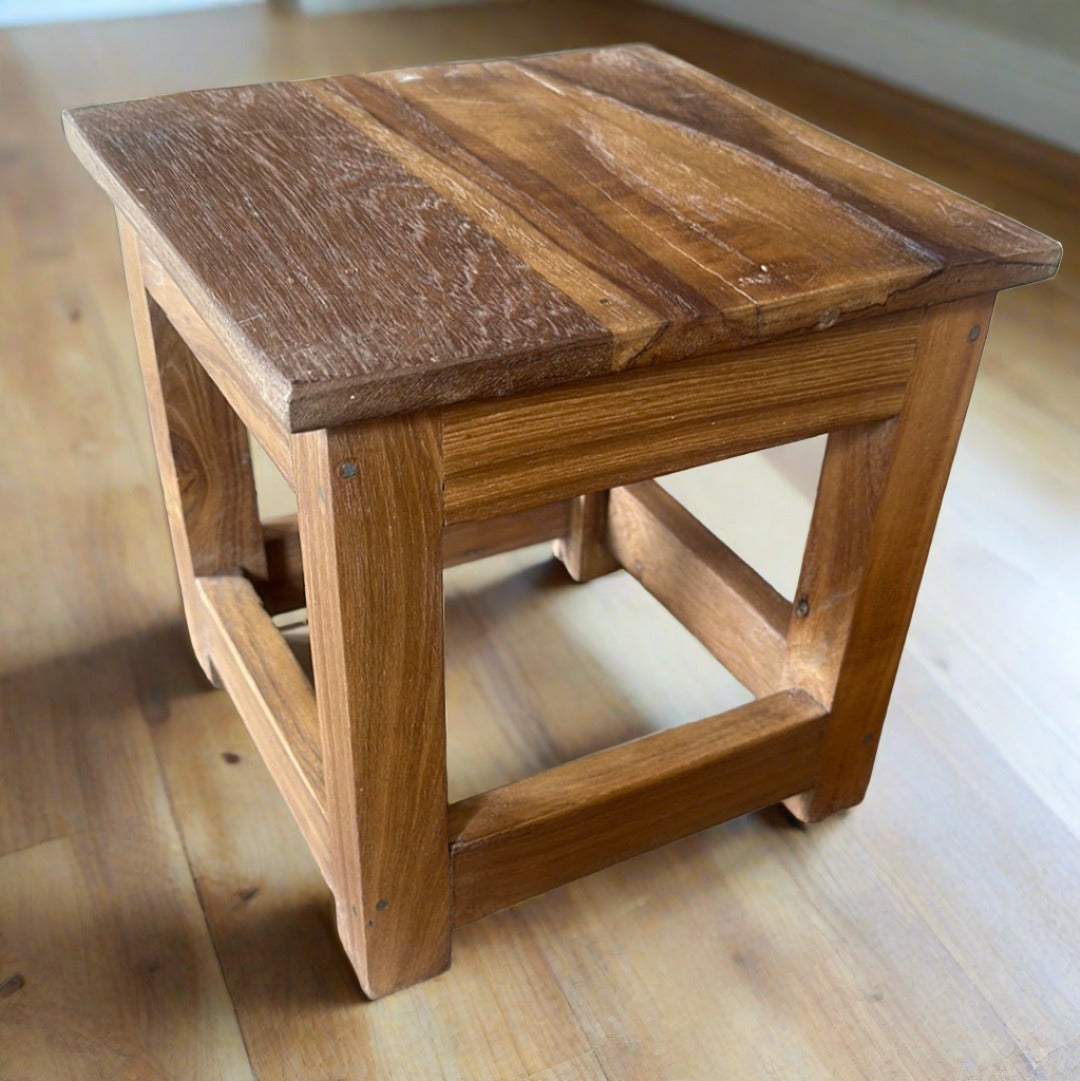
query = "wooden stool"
{"x": 447, "y": 302}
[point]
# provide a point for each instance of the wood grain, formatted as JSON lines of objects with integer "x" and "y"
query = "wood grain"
{"x": 576, "y": 818}
{"x": 877, "y": 507}
{"x": 202, "y": 450}
{"x": 853, "y": 474}
{"x": 466, "y": 541}
{"x": 275, "y": 698}
{"x": 370, "y": 527}
{"x": 477, "y": 230}
{"x": 722, "y": 600}
{"x": 503, "y": 456}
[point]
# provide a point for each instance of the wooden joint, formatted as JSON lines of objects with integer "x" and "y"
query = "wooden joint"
{"x": 531, "y": 836}
{"x": 717, "y": 596}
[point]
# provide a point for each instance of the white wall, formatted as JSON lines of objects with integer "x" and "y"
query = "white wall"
{"x": 951, "y": 55}
{"x": 28, "y": 12}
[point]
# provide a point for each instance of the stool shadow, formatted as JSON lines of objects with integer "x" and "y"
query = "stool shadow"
{"x": 278, "y": 945}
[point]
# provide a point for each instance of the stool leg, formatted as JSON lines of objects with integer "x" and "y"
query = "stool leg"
{"x": 370, "y": 510}
{"x": 584, "y": 549}
{"x": 202, "y": 452}
{"x": 878, "y": 499}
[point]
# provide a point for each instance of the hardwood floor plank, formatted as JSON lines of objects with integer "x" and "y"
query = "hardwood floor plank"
{"x": 784, "y": 894}
{"x": 106, "y": 968}
{"x": 956, "y": 885}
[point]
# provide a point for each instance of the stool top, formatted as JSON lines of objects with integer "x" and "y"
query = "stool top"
{"x": 372, "y": 244}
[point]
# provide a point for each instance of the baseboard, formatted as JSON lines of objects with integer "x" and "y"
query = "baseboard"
{"x": 337, "y": 7}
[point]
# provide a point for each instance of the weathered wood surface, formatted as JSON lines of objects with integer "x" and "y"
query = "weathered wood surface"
{"x": 473, "y": 230}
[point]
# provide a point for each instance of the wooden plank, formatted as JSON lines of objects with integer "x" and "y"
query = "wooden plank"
{"x": 896, "y": 217}
{"x": 533, "y": 835}
{"x": 273, "y": 695}
{"x": 283, "y": 588}
{"x": 371, "y": 525}
{"x": 583, "y": 549}
{"x": 466, "y": 541}
{"x": 203, "y": 456}
{"x": 718, "y": 597}
{"x": 502, "y": 456}
{"x": 878, "y": 500}
{"x": 247, "y": 398}
{"x": 602, "y": 209}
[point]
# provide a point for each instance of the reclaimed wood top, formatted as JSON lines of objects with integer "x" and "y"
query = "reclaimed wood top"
{"x": 371, "y": 244}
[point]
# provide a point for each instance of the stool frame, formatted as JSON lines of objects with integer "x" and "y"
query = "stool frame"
{"x": 385, "y": 504}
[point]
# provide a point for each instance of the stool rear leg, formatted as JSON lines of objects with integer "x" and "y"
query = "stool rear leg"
{"x": 203, "y": 455}
{"x": 878, "y": 499}
{"x": 584, "y": 549}
{"x": 369, "y": 498}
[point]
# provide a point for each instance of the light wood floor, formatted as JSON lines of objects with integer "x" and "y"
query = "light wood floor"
{"x": 159, "y": 915}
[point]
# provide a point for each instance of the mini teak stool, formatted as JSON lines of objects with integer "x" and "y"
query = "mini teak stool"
{"x": 447, "y": 302}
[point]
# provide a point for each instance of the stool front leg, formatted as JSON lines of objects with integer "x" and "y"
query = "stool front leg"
{"x": 878, "y": 498}
{"x": 370, "y": 515}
